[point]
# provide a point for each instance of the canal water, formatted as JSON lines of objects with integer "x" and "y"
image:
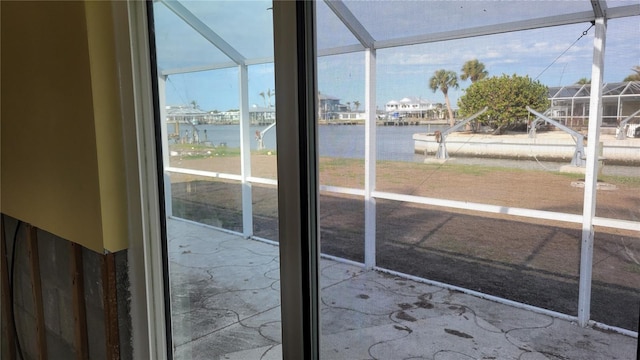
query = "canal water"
{"x": 393, "y": 143}
{"x": 345, "y": 141}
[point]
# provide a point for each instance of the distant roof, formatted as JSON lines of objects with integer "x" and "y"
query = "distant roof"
{"x": 409, "y": 100}
{"x": 256, "y": 108}
{"x": 184, "y": 110}
{"x": 627, "y": 88}
{"x": 322, "y": 96}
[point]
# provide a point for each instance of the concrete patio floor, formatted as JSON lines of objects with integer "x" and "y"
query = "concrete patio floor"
{"x": 225, "y": 305}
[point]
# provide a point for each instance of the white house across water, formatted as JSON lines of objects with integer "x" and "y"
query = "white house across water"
{"x": 410, "y": 107}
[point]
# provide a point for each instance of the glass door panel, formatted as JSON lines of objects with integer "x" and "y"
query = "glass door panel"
{"x": 426, "y": 197}
{"x": 216, "y": 94}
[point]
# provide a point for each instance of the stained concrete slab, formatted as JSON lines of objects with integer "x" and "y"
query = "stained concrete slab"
{"x": 225, "y": 305}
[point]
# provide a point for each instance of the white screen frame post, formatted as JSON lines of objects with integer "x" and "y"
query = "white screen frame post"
{"x": 591, "y": 173}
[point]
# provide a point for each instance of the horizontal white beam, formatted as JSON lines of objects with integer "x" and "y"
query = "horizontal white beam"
{"x": 263, "y": 181}
{"x": 486, "y": 208}
{"x": 198, "y": 68}
{"x": 595, "y": 324}
{"x": 339, "y": 50}
{"x": 259, "y": 61}
{"x": 623, "y": 11}
{"x": 617, "y": 223}
{"x": 215, "y": 66}
{"x": 603, "y": 96}
{"x": 557, "y": 20}
{"x": 203, "y": 173}
{"x": 342, "y": 190}
{"x": 585, "y": 16}
{"x": 462, "y": 205}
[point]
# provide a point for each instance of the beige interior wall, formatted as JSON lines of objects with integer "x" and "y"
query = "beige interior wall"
{"x": 61, "y": 153}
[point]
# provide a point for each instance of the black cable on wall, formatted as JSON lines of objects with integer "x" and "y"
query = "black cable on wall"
{"x": 12, "y": 288}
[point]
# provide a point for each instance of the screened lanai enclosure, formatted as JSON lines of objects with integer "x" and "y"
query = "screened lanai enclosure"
{"x": 533, "y": 231}
{"x": 620, "y": 101}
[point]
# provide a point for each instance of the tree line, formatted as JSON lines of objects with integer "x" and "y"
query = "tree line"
{"x": 505, "y": 96}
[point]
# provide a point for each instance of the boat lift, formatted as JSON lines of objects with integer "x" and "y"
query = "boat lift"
{"x": 193, "y": 138}
{"x": 260, "y": 135}
{"x": 621, "y": 135}
{"x": 533, "y": 127}
{"x": 441, "y": 137}
{"x": 579, "y": 154}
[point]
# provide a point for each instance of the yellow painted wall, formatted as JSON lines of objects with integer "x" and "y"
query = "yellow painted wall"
{"x": 61, "y": 151}
{"x": 105, "y": 86}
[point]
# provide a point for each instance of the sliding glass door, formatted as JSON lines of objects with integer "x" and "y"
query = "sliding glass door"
{"x": 216, "y": 96}
{"x": 337, "y": 180}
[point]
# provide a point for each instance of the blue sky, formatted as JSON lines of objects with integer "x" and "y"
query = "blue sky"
{"x": 402, "y": 71}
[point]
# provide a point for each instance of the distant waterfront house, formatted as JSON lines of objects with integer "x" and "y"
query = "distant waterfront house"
{"x": 411, "y": 107}
{"x": 570, "y": 104}
{"x": 225, "y": 117}
{"x": 257, "y": 115}
{"x": 262, "y": 115}
{"x": 329, "y": 107}
{"x": 350, "y": 115}
{"x": 186, "y": 114}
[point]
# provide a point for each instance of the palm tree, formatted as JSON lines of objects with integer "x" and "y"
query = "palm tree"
{"x": 270, "y": 94}
{"x": 444, "y": 80}
{"x": 194, "y": 104}
{"x": 356, "y": 103}
{"x": 263, "y": 99}
{"x": 349, "y": 105}
{"x": 583, "y": 81}
{"x": 473, "y": 70}
{"x": 634, "y": 77}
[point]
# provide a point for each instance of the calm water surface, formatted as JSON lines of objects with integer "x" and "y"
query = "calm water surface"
{"x": 347, "y": 141}
{"x": 393, "y": 143}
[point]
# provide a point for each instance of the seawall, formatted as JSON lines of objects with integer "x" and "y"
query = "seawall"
{"x": 547, "y": 146}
